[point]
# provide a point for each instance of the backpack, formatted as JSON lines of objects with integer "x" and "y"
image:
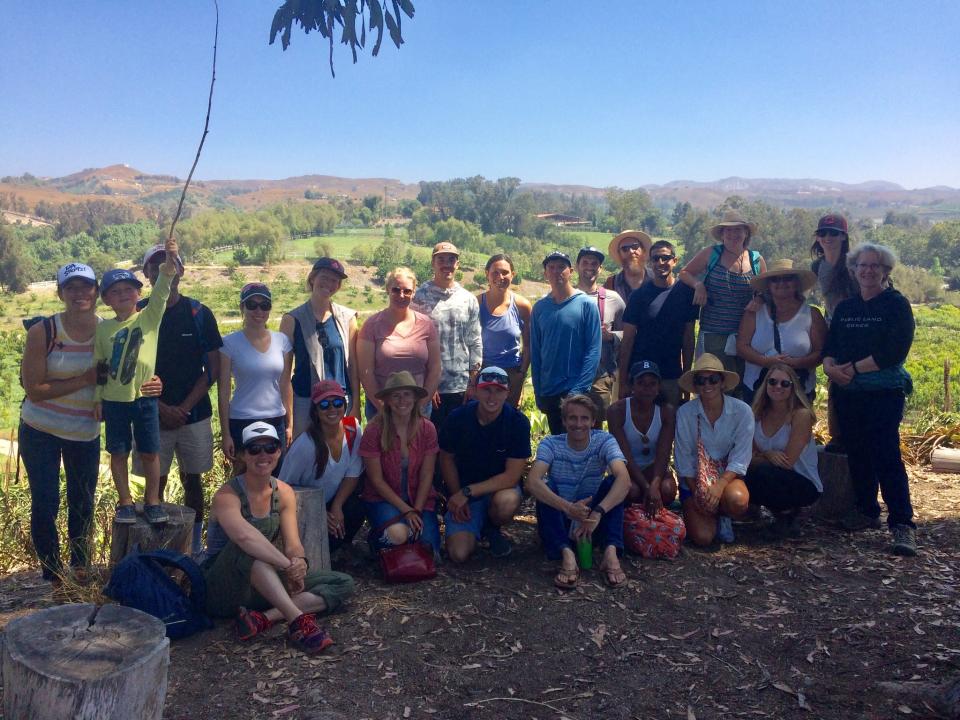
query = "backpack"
{"x": 350, "y": 430}
{"x": 718, "y": 253}
{"x": 49, "y": 332}
{"x": 141, "y": 582}
{"x": 196, "y": 313}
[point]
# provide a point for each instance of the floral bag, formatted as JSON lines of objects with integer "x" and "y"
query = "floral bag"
{"x": 708, "y": 474}
{"x": 653, "y": 536}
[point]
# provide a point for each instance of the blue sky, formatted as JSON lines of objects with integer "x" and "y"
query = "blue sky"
{"x": 594, "y": 93}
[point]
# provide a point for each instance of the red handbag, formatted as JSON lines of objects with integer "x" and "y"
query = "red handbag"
{"x": 410, "y": 562}
{"x": 653, "y": 536}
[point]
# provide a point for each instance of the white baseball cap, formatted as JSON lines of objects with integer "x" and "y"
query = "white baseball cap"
{"x": 258, "y": 430}
{"x": 75, "y": 270}
{"x": 160, "y": 250}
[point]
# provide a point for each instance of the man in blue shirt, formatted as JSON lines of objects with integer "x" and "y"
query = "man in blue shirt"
{"x": 564, "y": 340}
{"x": 484, "y": 446}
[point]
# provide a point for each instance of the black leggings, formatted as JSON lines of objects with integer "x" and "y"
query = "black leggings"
{"x": 779, "y": 489}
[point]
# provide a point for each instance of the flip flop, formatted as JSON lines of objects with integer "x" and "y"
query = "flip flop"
{"x": 567, "y": 579}
{"x": 614, "y": 577}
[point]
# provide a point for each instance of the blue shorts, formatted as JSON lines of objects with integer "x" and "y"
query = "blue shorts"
{"x": 142, "y": 416}
{"x": 381, "y": 511}
{"x": 479, "y": 510}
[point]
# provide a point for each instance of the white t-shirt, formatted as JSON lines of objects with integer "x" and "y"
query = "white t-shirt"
{"x": 256, "y": 394}
{"x": 300, "y": 470}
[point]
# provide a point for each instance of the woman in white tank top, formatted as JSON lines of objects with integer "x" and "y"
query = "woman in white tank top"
{"x": 783, "y": 475}
{"x": 643, "y": 427}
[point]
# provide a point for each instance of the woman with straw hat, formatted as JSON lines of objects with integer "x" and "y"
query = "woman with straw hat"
{"x": 712, "y": 451}
{"x": 720, "y": 277}
{"x": 399, "y": 451}
{"x": 784, "y": 330}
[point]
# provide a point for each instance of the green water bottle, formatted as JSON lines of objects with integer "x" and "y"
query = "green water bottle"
{"x": 585, "y": 553}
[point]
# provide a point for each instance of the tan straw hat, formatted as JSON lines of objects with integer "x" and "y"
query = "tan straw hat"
{"x": 779, "y": 268}
{"x": 402, "y": 380}
{"x": 731, "y": 218}
{"x": 708, "y": 363}
{"x": 613, "y": 249}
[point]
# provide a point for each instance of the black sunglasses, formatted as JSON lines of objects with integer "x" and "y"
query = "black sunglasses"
{"x": 828, "y": 233}
{"x": 630, "y": 247}
{"x": 406, "y": 292}
{"x": 254, "y": 305}
{"x": 701, "y": 380}
{"x": 773, "y": 382}
{"x": 662, "y": 258}
{"x": 337, "y": 402}
{"x": 783, "y": 278}
{"x": 268, "y": 448}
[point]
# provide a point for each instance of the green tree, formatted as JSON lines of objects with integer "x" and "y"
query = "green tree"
{"x": 633, "y": 209}
{"x": 16, "y": 265}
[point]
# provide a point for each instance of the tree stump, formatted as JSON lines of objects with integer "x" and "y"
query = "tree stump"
{"x": 838, "y": 497}
{"x": 312, "y": 524}
{"x": 945, "y": 460}
{"x": 85, "y": 662}
{"x": 177, "y": 534}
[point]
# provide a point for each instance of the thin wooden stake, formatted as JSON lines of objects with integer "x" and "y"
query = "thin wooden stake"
{"x": 947, "y": 400}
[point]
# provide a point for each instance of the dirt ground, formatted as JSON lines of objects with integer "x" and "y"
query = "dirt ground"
{"x": 805, "y": 629}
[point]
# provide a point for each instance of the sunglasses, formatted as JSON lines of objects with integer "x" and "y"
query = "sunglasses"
{"x": 773, "y": 382}
{"x": 828, "y": 233}
{"x": 630, "y": 247}
{"x": 322, "y": 336}
{"x": 493, "y": 377}
{"x": 268, "y": 448}
{"x": 701, "y": 380}
{"x": 337, "y": 402}
{"x": 406, "y": 292}
{"x": 254, "y": 305}
{"x": 783, "y": 279}
{"x": 662, "y": 258}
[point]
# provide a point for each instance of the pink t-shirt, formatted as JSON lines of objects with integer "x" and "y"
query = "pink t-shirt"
{"x": 424, "y": 444}
{"x": 395, "y": 352}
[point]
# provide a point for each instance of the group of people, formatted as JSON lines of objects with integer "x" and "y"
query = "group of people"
{"x": 442, "y": 372}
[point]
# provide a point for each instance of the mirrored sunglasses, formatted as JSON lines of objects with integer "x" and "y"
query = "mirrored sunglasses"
{"x": 337, "y": 402}
{"x": 493, "y": 377}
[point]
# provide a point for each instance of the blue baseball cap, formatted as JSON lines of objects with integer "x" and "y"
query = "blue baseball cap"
{"x": 112, "y": 277}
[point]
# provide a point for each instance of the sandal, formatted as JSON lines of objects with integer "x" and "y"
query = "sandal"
{"x": 613, "y": 577}
{"x": 567, "y": 579}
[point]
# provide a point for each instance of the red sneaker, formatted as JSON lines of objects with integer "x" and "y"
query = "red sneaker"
{"x": 250, "y": 623}
{"x": 306, "y": 635}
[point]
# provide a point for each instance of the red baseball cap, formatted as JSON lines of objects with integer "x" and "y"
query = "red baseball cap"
{"x": 325, "y": 389}
{"x": 833, "y": 222}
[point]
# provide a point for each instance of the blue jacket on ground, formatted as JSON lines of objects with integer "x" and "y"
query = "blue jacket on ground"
{"x": 565, "y": 344}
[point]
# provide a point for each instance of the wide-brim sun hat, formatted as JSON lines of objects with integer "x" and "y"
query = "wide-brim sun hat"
{"x": 402, "y": 380}
{"x": 708, "y": 363}
{"x": 613, "y": 249}
{"x": 731, "y": 218}
{"x": 778, "y": 268}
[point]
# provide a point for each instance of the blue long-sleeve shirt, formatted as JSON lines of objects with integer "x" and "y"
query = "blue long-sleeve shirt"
{"x": 565, "y": 344}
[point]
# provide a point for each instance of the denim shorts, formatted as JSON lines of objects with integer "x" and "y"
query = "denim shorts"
{"x": 479, "y": 511}
{"x": 142, "y": 415}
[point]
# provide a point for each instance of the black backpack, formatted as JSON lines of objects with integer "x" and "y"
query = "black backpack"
{"x": 49, "y": 332}
{"x": 140, "y": 581}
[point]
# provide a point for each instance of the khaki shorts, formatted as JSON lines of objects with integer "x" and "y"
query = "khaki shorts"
{"x": 193, "y": 445}
{"x": 601, "y": 392}
{"x": 671, "y": 392}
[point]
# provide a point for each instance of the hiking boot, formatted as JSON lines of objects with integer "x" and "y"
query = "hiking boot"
{"x": 904, "y": 540}
{"x": 126, "y": 515}
{"x": 304, "y": 634}
{"x": 854, "y": 521}
{"x": 155, "y": 514}
{"x": 500, "y": 547}
{"x": 724, "y": 529}
{"x": 783, "y": 527}
{"x": 250, "y": 623}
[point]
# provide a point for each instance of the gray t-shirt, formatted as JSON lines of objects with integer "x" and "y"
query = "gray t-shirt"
{"x": 612, "y": 320}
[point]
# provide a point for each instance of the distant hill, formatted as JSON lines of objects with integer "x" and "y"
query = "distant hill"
{"x": 131, "y": 186}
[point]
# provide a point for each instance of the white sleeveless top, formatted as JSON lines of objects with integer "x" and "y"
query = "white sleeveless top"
{"x": 644, "y": 453}
{"x": 69, "y": 416}
{"x": 794, "y": 342}
{"x": 805, "y": 465}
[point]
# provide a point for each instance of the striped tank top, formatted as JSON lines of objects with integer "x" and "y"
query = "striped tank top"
{"x": 500, "y": 335}
{"x": 69, "y": 416}
{"x": 728, "y": 294}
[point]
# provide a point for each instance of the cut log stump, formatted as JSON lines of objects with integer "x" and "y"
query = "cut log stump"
{"x": 838, "y": 497}
{"x": 312, "y": 524}
{"x": 84, "y": 662}
{"x": 945, "y": 460}
{"x": 177, "y": 534}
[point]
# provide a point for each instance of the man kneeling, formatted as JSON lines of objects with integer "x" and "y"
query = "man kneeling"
{"x": 484, "y": 446}
{"x": 256, "y": 570}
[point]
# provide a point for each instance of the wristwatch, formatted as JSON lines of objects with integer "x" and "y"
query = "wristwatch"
{"x": 467, "y": 491}
{"x": 599, "y": 510}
